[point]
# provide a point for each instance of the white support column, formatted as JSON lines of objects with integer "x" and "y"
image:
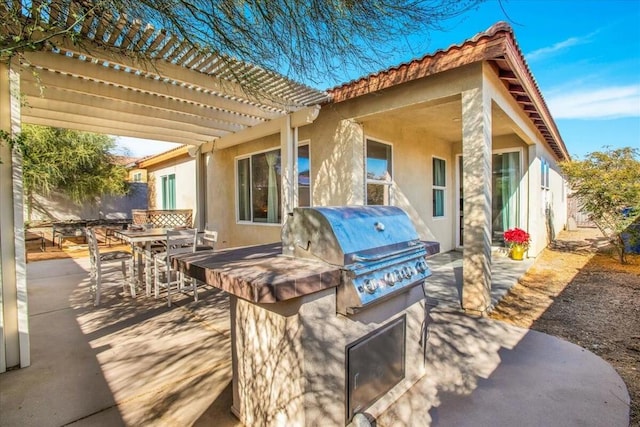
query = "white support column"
{"x": 289, "y": 162}
{"x": 350, "y": 167}
{"x": 14, "y": 321}
{"x": 476, "y": 154}
{"x": 201, "y": 188}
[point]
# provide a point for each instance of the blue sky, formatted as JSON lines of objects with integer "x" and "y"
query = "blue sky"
{"x": 585, "y": 56}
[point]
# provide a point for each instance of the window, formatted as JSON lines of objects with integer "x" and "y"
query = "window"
{"x": 439, "y": 186}
{"x": 544, "y": 186}
{"x": 169, "y": 191}
{"x": 304, "y": 176}
{"x": 137, "y": 177}
{"x": 259, "y": 185}
{"x": 378, "y": 172}
{"x": 544, "y": 174}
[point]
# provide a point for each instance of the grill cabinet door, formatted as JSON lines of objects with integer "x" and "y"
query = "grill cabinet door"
{"x": 375, "y": 364}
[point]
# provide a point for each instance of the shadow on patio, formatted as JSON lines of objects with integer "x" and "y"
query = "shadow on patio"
{"x": 138, "y": 362}
{"x": 126, "y": 362}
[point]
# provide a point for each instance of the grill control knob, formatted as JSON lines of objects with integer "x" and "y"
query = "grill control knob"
{"x": 370, "y": 285}
{"x": 390, "y": 278}
{"x": 421, "y": 266}
{"x": 406, "y": 272}
{"x": 397, "y": 275}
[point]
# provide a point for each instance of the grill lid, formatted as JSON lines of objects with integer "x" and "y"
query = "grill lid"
{"x": 347, "y": 234}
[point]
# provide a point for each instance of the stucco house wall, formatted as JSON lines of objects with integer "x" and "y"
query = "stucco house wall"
{"x": 184, "y": 168}
{"x": 337, "y": 141}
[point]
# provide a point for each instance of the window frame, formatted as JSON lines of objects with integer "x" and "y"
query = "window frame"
{"x": 388, "y": 182}
{"x": 237, "y": 188}
{"x": 544, "y": 174}
{"x": 166, "y": 181}
{"x": 435, "y": 188}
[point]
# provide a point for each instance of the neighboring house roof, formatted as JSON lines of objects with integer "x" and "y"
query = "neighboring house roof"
{"x": 497, "y": 45}
{"x": 155, "y": 159}
{"x": 125, "y": 161}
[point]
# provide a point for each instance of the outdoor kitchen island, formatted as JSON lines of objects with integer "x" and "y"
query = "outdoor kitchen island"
{"x": 304, "y": 352}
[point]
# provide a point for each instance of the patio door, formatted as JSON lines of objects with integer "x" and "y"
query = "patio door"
{"x": 505, "y": 194}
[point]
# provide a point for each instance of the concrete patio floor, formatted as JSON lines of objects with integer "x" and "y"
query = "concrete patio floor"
{"x": 137, "y": 362}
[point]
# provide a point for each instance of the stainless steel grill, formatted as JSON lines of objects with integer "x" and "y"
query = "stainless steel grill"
{"x": 377, "y": 248}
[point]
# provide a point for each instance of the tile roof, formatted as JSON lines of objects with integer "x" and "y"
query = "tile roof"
{"x": 497, "y": 45}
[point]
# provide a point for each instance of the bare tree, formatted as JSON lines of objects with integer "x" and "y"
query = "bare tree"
{"x": 308, "y": 40}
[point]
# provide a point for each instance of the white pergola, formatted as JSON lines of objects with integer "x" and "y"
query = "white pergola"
{"x": 166, "y": 91}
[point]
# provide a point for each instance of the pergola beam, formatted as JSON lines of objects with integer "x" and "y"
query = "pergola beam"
{"x": 165, "y": 70}
{"x": 48, "y": 81}
{"x": 84, "y": 111}
{"x": 134, "y": 133}
{"x": 75, "y": 121}
{"x": 89, "y": 71}
{"x": 178, "y": 118}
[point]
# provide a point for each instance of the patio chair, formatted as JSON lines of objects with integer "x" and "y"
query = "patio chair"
{"x": 178, "y": 242}
{"x": 209, "y": 240}
{"x": 97, "y": 260}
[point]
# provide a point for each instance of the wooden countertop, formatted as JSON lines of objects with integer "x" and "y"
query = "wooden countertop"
{"x": 260, "y": 274}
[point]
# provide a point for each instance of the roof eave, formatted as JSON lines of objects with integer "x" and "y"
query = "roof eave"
{"x": 497, "y": 43}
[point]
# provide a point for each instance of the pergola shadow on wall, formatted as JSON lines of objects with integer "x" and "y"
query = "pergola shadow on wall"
{"x": 166, "y": 91}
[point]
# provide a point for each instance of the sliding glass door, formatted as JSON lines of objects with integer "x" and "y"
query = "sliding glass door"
{"x": 505, "y": 182}
{"x": 506, "y": 195}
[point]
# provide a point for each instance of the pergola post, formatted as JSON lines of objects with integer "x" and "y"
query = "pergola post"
{"x": 200, "y": 220}
{"x": 14, "y": 321}
{"x": 289, "y": 162}
{"x": 476, "y": 154}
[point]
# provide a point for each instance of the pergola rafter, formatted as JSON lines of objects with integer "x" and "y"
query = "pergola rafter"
{"x": 126, "y": 78}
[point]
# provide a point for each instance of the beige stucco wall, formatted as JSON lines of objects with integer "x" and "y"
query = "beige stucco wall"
{"x": 544, "y": 225}
{"x": 337, "y": 162}
{"x": 184, "y": 169}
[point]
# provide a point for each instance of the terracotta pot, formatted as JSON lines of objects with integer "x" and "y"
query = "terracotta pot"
{"x": 517, "y": 252}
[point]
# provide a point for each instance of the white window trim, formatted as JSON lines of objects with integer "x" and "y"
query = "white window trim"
{"x": 235, "y": 196}
{"x": 437, "y": 187}
{"x": 367, "y": 181}
{"x": 302, "y": 144}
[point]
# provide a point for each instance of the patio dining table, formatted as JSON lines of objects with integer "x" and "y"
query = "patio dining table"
{"x": 142, "y": 241}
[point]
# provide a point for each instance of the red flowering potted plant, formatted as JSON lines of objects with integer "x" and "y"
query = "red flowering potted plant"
{"x": 518, "y": 242}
